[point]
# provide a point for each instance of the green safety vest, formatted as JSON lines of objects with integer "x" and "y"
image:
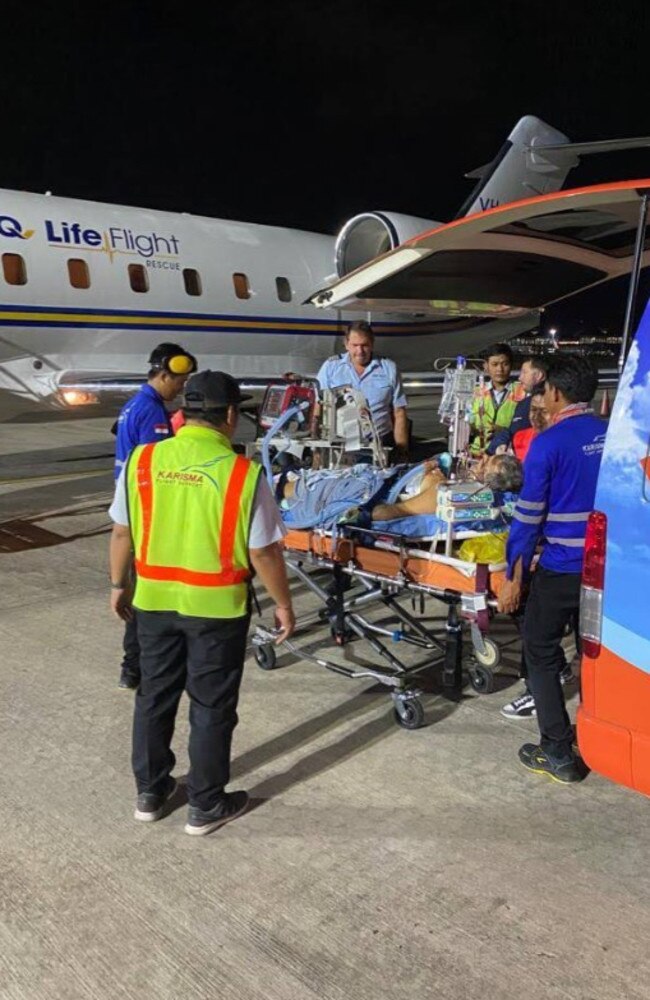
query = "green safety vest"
{"x": 488, "y": 416}
{"x": 190, "y": 506}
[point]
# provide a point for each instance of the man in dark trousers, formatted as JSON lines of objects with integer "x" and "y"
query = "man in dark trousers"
{"x": 143, "y": 420}
{"x": 199, "y": 519}
{"x": 560, "y": 478}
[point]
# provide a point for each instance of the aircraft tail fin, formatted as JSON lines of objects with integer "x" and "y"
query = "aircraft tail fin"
{"x": 534, "y": 160}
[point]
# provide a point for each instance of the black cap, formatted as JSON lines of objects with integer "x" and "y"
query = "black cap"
{"x": 211, "y": 391}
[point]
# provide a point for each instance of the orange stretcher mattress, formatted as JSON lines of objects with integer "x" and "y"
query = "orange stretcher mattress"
{"x": 419, "y": 567}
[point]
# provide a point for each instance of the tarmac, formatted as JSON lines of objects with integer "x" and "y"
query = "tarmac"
{"x": 376, "y": 863}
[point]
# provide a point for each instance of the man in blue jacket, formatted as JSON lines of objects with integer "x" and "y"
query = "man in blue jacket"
{"x": 143, "y": 420}
{"x": 531, "y": 376}
{"x": 560, "y": 478}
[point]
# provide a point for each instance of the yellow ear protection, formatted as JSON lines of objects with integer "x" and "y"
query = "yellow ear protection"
{"x": 176, "y": 364}
{"x": 180, "y": 364}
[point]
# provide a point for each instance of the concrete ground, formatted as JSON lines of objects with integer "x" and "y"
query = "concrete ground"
{"x": 377, "y": 863}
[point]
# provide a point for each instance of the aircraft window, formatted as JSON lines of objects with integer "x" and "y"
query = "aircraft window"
{"x": 14, "y": 270}
{"x": 192, "y": 281}
{"x": 138, "y": 278}
{"x": 242, "y": 287}
{"x": 78, "y": 273}
{"x": 284, "y": 289}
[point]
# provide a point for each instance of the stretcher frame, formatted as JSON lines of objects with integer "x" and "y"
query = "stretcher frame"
{"x": 388, "y": 570}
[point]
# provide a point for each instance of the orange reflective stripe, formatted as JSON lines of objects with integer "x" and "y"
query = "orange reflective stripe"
{"x": 230, "y": 516}
{"x": 145, "y": 490}
{"x": 231, "y": 511}
{"x": 176, "y": 574}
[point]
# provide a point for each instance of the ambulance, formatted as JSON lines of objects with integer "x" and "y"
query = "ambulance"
{"x": 613, "y": 720}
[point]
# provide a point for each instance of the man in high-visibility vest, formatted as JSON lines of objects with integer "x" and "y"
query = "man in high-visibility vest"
{"x": 198, "y": 518}
{"x": 519, "y": 434}
{"x": 494, "y": 404}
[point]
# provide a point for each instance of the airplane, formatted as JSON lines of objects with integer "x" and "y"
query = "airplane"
{"x": 520, "y": 256}
{"x": 88, "y": 289}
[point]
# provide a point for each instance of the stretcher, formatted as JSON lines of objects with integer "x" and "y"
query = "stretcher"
{"x": 387, "y": 569}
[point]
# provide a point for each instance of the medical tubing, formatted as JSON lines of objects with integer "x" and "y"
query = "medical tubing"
{"x": 273, "y": 429}
{"x": 398, "y": 487}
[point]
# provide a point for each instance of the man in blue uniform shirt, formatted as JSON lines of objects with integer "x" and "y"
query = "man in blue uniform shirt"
{"x": 143, "y": 420}
{"x": 379, "y": 381}
{"x": 560, "y": 478}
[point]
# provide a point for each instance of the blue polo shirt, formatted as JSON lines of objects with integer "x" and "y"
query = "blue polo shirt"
{"x": 557, "y": 497}
{"x": 379, "y": 381}
{"x": 143, "y": 420}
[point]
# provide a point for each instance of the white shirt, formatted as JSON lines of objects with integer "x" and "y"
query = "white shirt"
{"x": 266, "y": 523}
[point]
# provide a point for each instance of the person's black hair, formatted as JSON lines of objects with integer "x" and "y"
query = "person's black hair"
{"x": 491, "y": 352}
{"x": 158, "y": 355}
{"x": 538, "y": 362}
{"x": 538, "y": 390}
{"x": 216, "y": 417}
{"x": 576, "y": 378}
{"x": 360, "y": 326}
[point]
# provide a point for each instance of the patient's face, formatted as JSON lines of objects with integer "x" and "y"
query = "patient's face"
{"x": 539, "y": 415}
{"x": 486, "y": 465}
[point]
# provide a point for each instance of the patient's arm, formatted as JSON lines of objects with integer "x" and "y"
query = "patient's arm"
{"x": 424, "y": 502}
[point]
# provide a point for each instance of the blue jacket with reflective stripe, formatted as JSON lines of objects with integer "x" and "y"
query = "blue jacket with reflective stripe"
{"x": 143, "y": 420}
{"x": 560, "y": 474}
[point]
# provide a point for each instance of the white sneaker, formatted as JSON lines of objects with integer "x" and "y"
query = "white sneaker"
{"x": 522, "y": 707}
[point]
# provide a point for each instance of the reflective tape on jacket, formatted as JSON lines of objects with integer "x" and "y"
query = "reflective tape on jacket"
{"x": 571, "y": 517}
{"x": 572, "y": 543}
{"x": 190, "y": 505}
{"x": 528, "y": 518}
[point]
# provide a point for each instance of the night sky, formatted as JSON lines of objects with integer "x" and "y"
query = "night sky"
{"x": 302, "y": 113}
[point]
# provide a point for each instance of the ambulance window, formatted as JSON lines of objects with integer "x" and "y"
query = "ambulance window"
{"x": 138, "y": 278}
{"x": 78, "y": 273}
{"x": 192, "y": 281}
{"x": 13, "y": 268}
{"x": 283, "y": 289}
{"x": 242, "y": 287}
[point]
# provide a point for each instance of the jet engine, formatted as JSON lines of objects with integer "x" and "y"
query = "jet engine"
{"x": 370, "y": 234}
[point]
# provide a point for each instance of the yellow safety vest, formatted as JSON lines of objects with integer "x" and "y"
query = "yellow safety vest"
{"x": 190, "y": 506}
{"x": 488, "y": 416}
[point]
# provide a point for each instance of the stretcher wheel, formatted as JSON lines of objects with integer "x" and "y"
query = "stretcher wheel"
{"x": 265, "y": 657}
{"x": 409, "y": 714}
{"x": 481, "y": 679}
{"x": 491, "y": 655}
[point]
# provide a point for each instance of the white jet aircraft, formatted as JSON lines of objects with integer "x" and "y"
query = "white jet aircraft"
{"x": 88, "y": 289}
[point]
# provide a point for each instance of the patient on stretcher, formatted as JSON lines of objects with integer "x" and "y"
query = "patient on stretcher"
{"x": 322, "y": 498}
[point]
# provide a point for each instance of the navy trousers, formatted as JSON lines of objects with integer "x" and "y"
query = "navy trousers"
{"x": 205, "y": 658}
{"x": 553, "y": 602}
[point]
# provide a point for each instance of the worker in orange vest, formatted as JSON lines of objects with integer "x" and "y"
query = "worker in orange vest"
{"x": 199, "y": 519}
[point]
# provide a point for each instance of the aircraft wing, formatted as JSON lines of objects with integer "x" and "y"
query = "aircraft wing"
{"x": 504, "y": 262}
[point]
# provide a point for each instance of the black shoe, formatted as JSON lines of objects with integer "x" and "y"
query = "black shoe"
{"x": 129, "y": 679}
{"x": 229, "y": 806}
{"x": 151, "y": 807}
{"x": 565, "y": 770}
